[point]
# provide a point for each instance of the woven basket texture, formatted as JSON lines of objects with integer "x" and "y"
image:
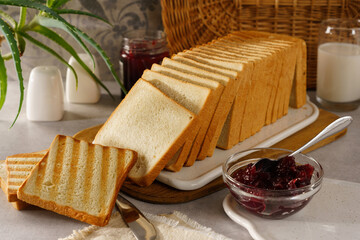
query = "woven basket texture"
{"x": 188, "y": 23}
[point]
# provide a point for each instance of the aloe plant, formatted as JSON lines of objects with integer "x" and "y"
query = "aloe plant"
{"x": 47, "y": 18}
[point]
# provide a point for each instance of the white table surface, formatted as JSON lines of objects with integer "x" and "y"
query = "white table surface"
{"x": 340, "y": 160}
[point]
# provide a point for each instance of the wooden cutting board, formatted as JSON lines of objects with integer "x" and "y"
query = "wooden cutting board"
{"x": 161, "y": 193}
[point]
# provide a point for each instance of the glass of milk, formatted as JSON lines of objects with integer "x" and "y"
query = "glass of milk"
{"x": 338, "y": 70}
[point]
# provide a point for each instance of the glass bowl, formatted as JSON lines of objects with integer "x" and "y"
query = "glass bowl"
{"x": 273, "y": 204}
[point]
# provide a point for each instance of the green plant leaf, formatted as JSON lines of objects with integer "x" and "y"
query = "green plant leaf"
{"x": 61, "y": 42}
{"x": 78, "y": 12}
{"x": 22, "y": 19}
{"x": 16, "y": 57}
{"x": 103, "y": 55}
{"x": 8, "y": 18}
{"x": 55, "y": 23}
{"x": 21, "y": 43}
{"x": 52, "y": 15}
{"x": 59, "y": 3}
{"x": 48, "y": 49}
{"x": 3, "y": 81}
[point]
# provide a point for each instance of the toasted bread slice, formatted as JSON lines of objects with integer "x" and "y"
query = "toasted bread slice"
{"x": 18, "y": 205}
{"x": 18, "y": 168}
{"x": 78, "y": 179}
{"x": 150, "y": 123}
{"x": 195, "y": 98}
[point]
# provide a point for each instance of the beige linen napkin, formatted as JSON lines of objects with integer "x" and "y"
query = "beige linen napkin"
{"x": 171, "y": 226}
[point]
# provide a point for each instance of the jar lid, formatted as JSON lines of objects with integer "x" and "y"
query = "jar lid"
{"x": 144, "y": 40}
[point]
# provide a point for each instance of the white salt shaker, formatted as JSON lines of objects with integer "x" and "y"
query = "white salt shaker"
{"x": 88, "y": 90}
{"x": 45, "y": 94}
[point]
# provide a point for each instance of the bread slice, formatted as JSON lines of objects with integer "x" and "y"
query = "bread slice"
{"x": 298, "y": 96}
{"x": 217, "y": 90}
{"x": 195, "y": 98}
{"x": 78, "y": 179}
{"x": 262, "y": 69}
{"x": 261, "y": 95}
{"x": 150, "y": 123}
{"x": 237, "y": 70}
{"x": 18, "y": 205}
{"x": 219, "y": 75}
{"x": 260, "y": 46}
{"x": 246, "y": 49}
{"x": 261, "y": 74}
{"x": 287, "y": 72}
{"x": 18, "y": 168}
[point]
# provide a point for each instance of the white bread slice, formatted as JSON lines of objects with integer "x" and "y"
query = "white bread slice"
{"x": 233, "y": 43}
{"x": 18, "y": 168}
{"x": 297, "y": 54}
{"x": 298, "y": 96}
{"x": 78, "y": 179}
{"x": 270, "y": 69}
{"x": 150, "y": 123}
{"x": 195, "y": 98}
{"x": 238, "y": 74}
{"x": 217, "y": 90}
{"x": 213, "y": 73}
{"x": 262, "y": 72}
{"x": 18, "y": 205}
{"x": 260, "y": 98}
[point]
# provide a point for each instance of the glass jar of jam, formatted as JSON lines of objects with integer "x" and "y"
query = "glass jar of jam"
{"x": 140, "y": 49}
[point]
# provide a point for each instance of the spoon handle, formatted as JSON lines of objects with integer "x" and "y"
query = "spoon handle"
{"x": 331, "y": 129}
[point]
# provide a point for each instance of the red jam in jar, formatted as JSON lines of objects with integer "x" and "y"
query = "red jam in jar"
{"x": 140, "y": 49}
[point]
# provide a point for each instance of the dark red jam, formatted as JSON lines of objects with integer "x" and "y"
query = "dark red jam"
{"x": 275, "y": 174}
{"x": 140, "y": 50}
{"x": 266, "y": 174}
{"x": 134, "y": 64}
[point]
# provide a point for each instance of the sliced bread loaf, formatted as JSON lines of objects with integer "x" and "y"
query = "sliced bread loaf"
{"x": 150, "y": 123}
{"x": 78, "y": 179}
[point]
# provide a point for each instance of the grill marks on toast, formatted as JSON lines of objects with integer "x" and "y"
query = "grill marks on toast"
{"x": 78, "y": 179}
{"x": 18, "y": 169}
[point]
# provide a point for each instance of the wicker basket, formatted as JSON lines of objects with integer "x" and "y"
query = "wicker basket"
{"x": 191, "y": 22}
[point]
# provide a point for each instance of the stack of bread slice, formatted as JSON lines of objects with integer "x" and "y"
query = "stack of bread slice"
{"x": 230, "y": 88}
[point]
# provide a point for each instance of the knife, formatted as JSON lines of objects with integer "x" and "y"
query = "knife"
{"x": 135, "y": 220}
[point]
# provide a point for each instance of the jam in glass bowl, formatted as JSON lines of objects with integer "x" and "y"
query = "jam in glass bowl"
{"x": 276, "y": 187}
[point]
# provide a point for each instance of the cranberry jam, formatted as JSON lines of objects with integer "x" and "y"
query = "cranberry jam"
{"x": 272, "y": 188}
{"x": 139, "y": 51}
{"x": 275, "y": 174}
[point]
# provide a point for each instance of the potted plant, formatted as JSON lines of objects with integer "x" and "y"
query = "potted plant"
{"x": 47, "y": 18}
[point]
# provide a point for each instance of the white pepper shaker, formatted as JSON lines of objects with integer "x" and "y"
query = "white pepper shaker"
{"x": 88, "y": 90}
{"x": 45, "y": 94}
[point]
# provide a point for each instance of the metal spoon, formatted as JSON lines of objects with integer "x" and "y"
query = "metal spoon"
{"x": 266, "y": 164}
{"x": 331, "y": 129}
